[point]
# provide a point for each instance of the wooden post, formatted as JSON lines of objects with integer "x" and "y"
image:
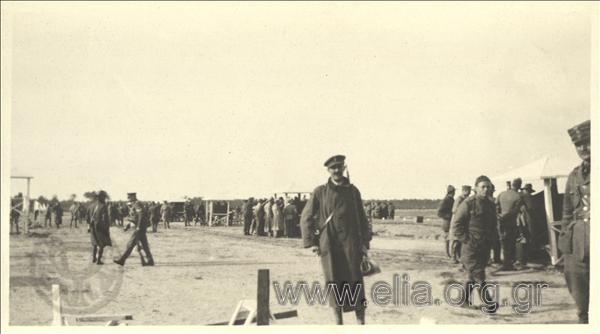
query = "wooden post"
{"x": 550, "y": 220}
{"x": 262, "y": 299}
{"x": 227, "y": 219}
{"x": 56, "y": 306}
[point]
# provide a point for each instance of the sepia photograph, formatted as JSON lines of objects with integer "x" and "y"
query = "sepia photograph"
{"x": 299, "y": 163}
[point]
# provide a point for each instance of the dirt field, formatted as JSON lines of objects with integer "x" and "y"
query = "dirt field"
{"x": 201, "y": 273}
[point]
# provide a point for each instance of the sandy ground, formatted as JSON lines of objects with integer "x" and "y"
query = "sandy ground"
{"x": 202, "y": 272}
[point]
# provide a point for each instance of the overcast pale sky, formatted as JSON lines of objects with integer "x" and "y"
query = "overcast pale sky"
{"x": 233, "y": 100}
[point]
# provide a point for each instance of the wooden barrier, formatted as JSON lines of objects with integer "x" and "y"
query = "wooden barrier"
{"x": 58, "y": 319}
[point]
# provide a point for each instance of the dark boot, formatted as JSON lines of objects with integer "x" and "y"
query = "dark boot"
{"x": 360, "y": 316}
{"x": 100, "y": 251}
{"x": 337, "y": 311}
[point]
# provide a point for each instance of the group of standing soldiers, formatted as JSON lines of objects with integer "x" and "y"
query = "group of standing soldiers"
{"x": 380, "y": 210}
{"x": 479, "y": 224}
{"x": 512, "y": 237}
{"x": 271, "y": 217}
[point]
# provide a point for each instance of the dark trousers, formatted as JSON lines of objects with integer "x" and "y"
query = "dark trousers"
{"x": 140, "y": 239}
{"x": 577, "y": 275}
{"x": 247, "y": 224}
{"x": 260, "y": 227}
{"x": 509, "y": 243}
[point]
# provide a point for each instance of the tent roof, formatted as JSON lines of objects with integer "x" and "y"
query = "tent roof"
{"x": 548, "y": 166}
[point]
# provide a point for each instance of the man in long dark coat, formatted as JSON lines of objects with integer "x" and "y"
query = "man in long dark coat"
{"x": 335, "y": 226}
{"x": 574, "y": 239}
{"x": 100, "y": 227}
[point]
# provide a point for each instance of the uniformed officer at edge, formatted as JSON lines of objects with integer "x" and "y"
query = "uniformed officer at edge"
{"x": 574, "y": 239}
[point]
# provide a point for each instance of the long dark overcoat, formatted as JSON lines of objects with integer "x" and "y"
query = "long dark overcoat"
{"x": 341, "y": 239}
{"x": 100, "y": 226}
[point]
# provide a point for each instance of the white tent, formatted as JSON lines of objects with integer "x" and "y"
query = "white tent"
{"x": 542, "y": 174}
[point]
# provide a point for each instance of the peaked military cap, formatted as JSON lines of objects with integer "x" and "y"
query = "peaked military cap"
{"x": 131, "y": 197}
{"x": 580, "y": 133}
{"x": 335, "y": 160}
{"x": 466, "y": 188}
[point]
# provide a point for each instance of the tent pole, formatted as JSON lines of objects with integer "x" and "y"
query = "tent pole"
{"x": 550, "y": 220}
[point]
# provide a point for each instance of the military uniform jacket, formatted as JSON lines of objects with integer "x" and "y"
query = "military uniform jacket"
{"x": 445, "y": 209}
{"x": 475, "y": 220}
{"x": 575, "y": 233}
{"x": 138, "y": 215}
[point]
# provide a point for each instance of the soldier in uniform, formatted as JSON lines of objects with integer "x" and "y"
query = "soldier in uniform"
{"x": 475, "y": 228}
{"x": 290, "y": 217}
{"x": 138, "y": 216}
{"x": 188, "y": 212}
{"x": 334, "y": 225}
{"x": 100, "y": 227}
{"x": 247, "y": 211}
{"x": 508, "y": 206}
{"x": 445, "y": 212}
{"x": 574, "y": 239}
{"x": 16, "y": 207}
{"x": 455, "y": 244}
{"x": 165, "y": 213}
{"x": 391, "y": 210}
{"x": 58, "y": 214}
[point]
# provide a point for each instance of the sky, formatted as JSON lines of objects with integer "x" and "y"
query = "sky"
{"x": 234, "y": 100}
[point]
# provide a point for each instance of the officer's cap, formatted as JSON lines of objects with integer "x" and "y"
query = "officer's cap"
{"x": 131, "y": 197}
{"x": 466, "y": 188}
{"x": 580, "y": 133}
{"x": 335, "y": 160}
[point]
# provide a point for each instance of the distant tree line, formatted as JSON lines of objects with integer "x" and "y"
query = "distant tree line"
{"x": 412, "y": 203}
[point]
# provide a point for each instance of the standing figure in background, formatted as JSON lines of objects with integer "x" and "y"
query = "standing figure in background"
{"x": 269, "y": 216}
{"x": 445, "y": 212}
{"x": 291, "y": 219}
{"x": 100, "y": 227}
{"x": 278, "y": 224}
{"x": 509, "y": 205}
{"x": 455, "y": 244}
{"x": 58, "y": 214}
{"x": 165, "y": 213}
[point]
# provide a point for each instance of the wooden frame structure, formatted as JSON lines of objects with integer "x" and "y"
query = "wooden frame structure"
{"x": 210, "y": 214}
{"x": 26, "y": 199}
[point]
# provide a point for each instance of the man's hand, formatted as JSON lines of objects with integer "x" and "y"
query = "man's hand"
{"x": 315, "y": 250}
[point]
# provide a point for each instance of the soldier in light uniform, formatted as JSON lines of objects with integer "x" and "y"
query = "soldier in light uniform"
{"x": 574, "y": 239}
{"x": 475, "y": 228}
{"x": 138, "y": 216}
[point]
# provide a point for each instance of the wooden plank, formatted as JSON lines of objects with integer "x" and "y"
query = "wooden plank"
{"x": 262, "y": 298}
{"x": 280, "y": 315}
{"x": 103, "y": 317}
{"x": 57, "y": 319}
